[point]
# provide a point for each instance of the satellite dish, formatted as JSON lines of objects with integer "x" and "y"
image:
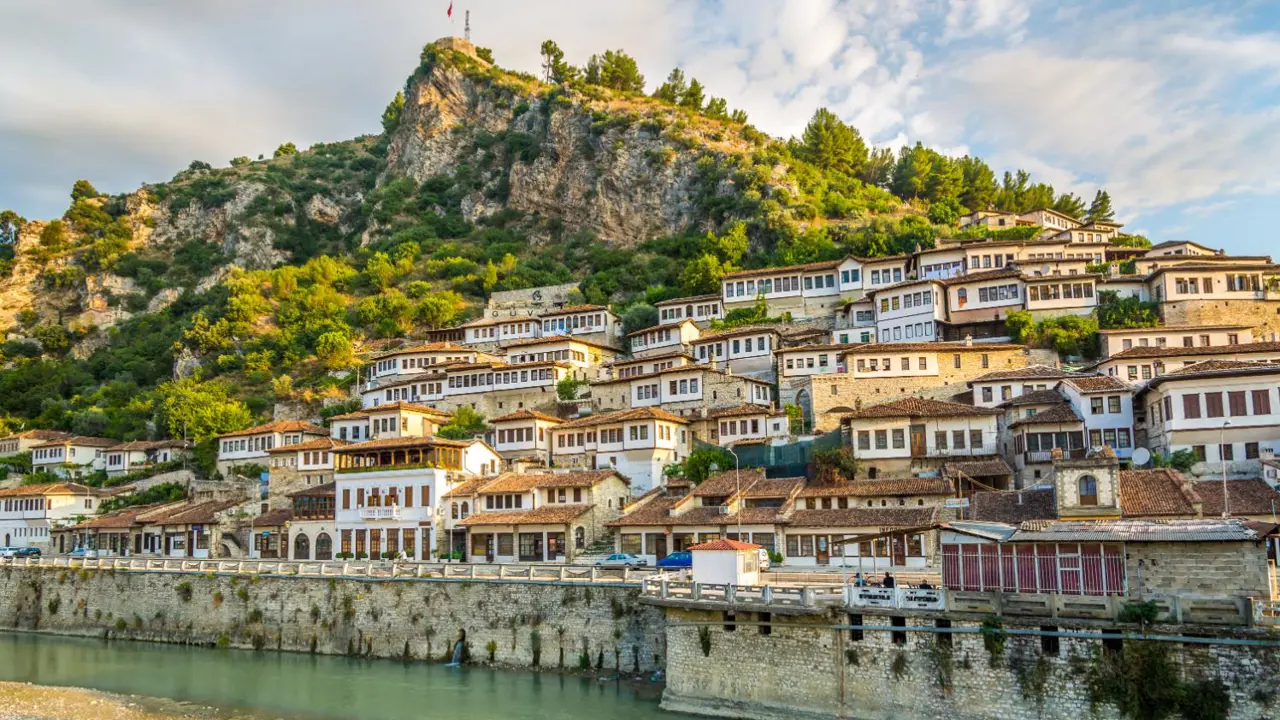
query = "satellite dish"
{"x": 1046, "y": 269}
{"x": 1141, "y": 456}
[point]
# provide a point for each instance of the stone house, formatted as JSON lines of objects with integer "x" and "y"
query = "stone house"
{"x": 684, "y": 390}
{"x": 663, "y": 338}
{"x": 536, "y": 517}
{"x": 916, "y": 433}
{"x": 71, "y": 457}
{"x": 1001, "y": 386}
{"x": 312, "y": 525}
{"x": 128, "y": 457}
{"x": 1139, "y": 365}
{"x": 701, "y": 309}
{"x": 21, "y": 442}
{"x": 1115, "y": 340}
{"x": 301, "y": 466}
{"x": 746, "y": 350}
{"x": 638, "y": 443}
{"x": 593, "y": 323}
{"x": 250, "y": 446}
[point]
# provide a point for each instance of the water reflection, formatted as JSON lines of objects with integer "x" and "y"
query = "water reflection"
{"x": 306, "y": 687}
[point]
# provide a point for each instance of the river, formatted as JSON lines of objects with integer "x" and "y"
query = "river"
{"x": 316, "y": 687}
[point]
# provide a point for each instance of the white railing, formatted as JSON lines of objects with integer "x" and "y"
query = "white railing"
{"x": 387, "y": 512}
{"x": 349, "y": 569}
{"x": 678, "y": 587}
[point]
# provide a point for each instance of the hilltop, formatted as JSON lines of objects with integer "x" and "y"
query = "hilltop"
{"x": 257, "y": 284}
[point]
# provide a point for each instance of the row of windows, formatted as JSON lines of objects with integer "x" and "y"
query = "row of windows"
{"x": 1060, "y": 292}
{"x": 874, "y": 364}
{"x": 916, "y": 330}
{"x": 565, "y": 355}
{"x": 823, "y": 360}
{"x": 786, "y": 283}
{"x": 885, "y": 277}
{"x": 1187, "y": 341}
{"x": 683, "y": 387}
{"x": 1239, "y": 403}
{"x": 633, "y": 370}
{"x": 647, "y": 392}
{"x": 574, "y": 322}
{"x": 1112, "y": 405}
{"x": 909, "y": 300}
{"x": 989, "y": 261}
{"x": 653, "y": 337}
{"x": 502, "y": 378}
{"x": 1006, "y": 391}
{"x": 27, "y": 504}
{"x": 711, "y": 310}
{"x": 54, "y": 453}
{"x": 517, "y": 435}
{"x": 385, "y": 497}
{"x": 260, "y": 443}
{"x": 1227, "y": 452}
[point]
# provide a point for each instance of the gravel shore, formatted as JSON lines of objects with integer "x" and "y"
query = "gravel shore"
{"x": 22, "y": 701}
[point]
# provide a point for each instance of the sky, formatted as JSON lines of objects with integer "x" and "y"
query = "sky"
{"x": 1172, "y": 106}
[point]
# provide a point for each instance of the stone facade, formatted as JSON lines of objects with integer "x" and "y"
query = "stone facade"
{"x": 493, "y": 404}
{"x": 534, "y": 624}
{"x": 1204, "y": 569}
{"x": 283, "y": 480}
{"x": 806, "y": 668}
{"x": 1262, "y": 315}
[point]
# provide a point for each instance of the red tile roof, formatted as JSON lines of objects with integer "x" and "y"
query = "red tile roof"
{"x": 57, "y": 488}
{"x": 545, "y": 515}
{"x": 647, "y": 413}
{"x": 526, "y": 415}
{"x": 743, "y": 410}
{"x": 1162, "y": 491}
{"x": 389, "y": 407}
{"x": 1174, "y": 351}
{"x": 864, "y": 517}
{"x": 1015, "y": 506}
{"x": 523, "y": 482}
{"x": 942, "y": 347}
{"x": 919, "y": 407}
{"x": 1245, "y": 497}
{"x": 884, "y": 487}
{"x": 324, "y": 443}
{"x": 279, "y": 426}
{"x": 1057, "y": 414}
{"x": 79, "y": 441}
{"x": 806, "y": 267}
{"x": 724, "y": 544}
{"x": 690, "y": 299}
{"x": 575, "y": 308}
{"x": 1097, "y": 383}
{"x": 273, "y": 518}
{"x": 1030, "y": 372}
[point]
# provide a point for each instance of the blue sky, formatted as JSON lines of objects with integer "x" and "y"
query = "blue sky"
{"x": 1174, "y": 107}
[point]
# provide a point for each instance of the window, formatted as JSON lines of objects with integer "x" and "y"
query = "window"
{"x": 1191, "y": 406}
{"x": 987, "y": 395}
{"x": 882, "y": 439}
{"x": 1236, "y": 403}
{"x": 1213, "y": 405}
{"x": 955, "y": 361}
{"x": 957, "y": 439}
{"x": 986, "y": 361}
{"x": 1226, "y": 452}
{"x": 975, "y": 440}
{"x": 1095, "y": 406}
{"x": 1251, "y": 451}
{"x": 1261, "y": 402}
{"x": 864, "y": 439}
{"x": 1198, "y": 451}
{"x": 899, "y": 439}
{"x": 1087, "y": 487}
{"x": 1113, "y": 404}
{"x": 940, "y": 440}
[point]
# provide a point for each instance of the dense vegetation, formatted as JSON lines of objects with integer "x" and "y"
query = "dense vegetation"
{"x": 398, "y": 256}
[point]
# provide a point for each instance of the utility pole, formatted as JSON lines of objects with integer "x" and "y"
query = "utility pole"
{"x": 467, "y": 27}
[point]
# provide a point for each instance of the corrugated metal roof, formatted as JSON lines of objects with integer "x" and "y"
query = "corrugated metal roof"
{"x": 1200, "y": 530}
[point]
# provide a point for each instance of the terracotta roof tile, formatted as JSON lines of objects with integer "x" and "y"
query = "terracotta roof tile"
{"x": 149, "y": 445}
{"x": 279, "y": 426}
{"x": 884, "y": 487}
{"x": 523, "y": 482}
{"x": 575, "y": 308}
{"x": 389, "y": 407}
{"x": 1174, "y": 351}
{"x": 1246, "y": 497}
{"x": 402, "y": 442}
{"x": 1015, "y": 506}
{"x": 80, "y": 441}
{"x": 1057, "y": 414}
{"x": 979, "y": 468}
{"x": 743, "y": 410}
{"x": 1215, "y": 366}
{"x": 647, "y": 413}
{"x": 545, "y": 515}
{"x": 1030, "y": 372}
{"x": 1097, "y": 383}
{"x": 724, "y": 544}
{"x": 324, "y": 443}
{"x": 714, "y": 335}
{"x": 1171, "y": 329}
{"x": 38, "y": 435}
{"x": 941, "y": 347}
{"x": 1163, "y": 491}
{"x": 427, "y": 347}
{"x": 526, "y": 414}
{"x": 773, "y": 487}
{"x": 690, "y": 299}
{"x": 468, "y": 488}
{"x": 727, "y": 482}
{"x": 653, "y": 511}
{"x": 919, "y": 407}
{"x": 995, "y": 274}
{"x": 806, "y": 267}
{"x": 57, "y": 488}
{"x": 204, "y": 513}
{"x": 325, "y": 490}
{"x": 864, "y": 517}
{"x": 273, "y": 518}
{"x": 1035, "y": 397}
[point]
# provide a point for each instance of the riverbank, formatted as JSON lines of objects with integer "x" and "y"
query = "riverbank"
{"x": 21, "y": 701}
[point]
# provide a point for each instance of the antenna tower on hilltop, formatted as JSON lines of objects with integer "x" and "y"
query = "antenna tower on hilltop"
{"x": 467, "y": 27}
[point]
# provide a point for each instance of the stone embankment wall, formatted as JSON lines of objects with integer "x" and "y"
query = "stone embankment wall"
{"x": 532, "y": 624}
{"x": 804, "y": 668}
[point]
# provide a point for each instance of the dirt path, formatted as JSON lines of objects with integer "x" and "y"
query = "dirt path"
{"x": 21, "y": 701}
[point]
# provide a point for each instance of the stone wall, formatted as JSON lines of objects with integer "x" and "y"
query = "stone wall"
{"x": 805, "y": 668}
{"x": 1263, "y": 315}
{"x": 1205, "y": 569}
{"x": 532, "y": 623}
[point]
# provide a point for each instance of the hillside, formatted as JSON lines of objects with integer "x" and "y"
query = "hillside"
{"x": 258, "y": 283}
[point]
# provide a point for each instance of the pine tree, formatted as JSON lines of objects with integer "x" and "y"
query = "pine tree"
{"x": 946, "y": 180}
{"x": 717, "y": 108}
{"x": 878, "y": 170}
{"x": 615, "y": 69}
{"x": 391, "y": 116}
{"x": 832, "y": 145}
{"x": 673, "y": 89}
{"x": 911, "y": 174}
{"x": 552, "y": 60}
{"x": 693, "y": 96}
{"x": 1100, "y": 209}
{"x": 1070, "y": 204}
{"x": 979, "y": 191}
{"x": 739, "y": 116}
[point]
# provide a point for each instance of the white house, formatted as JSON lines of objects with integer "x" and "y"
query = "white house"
{"x": 812, "y": 360}
{"x": 141, "y": 454}
{"x": 910, "y": 311}
{"x": 29, "y": 513}
{"x": 746, "y": 350}
{"x": 747, "y": 424}
{"x": 699, "y": 308}
{"x": 71, "y": 457}
{"x": 1224, "y": 411}
{"x": 663, "y": 338}
{"x": 250, "y": 446}
{"x": 420, "y": 358}
{"x": 21, "y": 442}
{"x": 979, "y": 302}
{"x": 1106, "y": 406}
{"x": 890, "y": 436}
{"x": 1057, "y": 295}
{"x": 1117, "y": 340}
{"x": 629, "y": 367}
{"x": 1001, "y": 386}
{"x": 638, "y": 443}
{"x": 523, "y": 434}
{"x": 583, "y": 355}
{"x": 601, "y": 324}
{"x": 1139, "y": 365}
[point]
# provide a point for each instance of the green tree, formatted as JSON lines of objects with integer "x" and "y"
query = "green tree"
{"x": 717, "y": 109}
{"x": 568, "y": 387}
{"x": 979, "y": 191}
{"x": 439, "y": 309}
{"x": 1100, "y": 209}
{"x": 380, "y": 271}
{"x": 391, "y": 115}
{"x": 615, "y": 69}
{"x": 240, "y": 161}
{"x": 673, "y": 89}
{"x": 199, "y": 166}
{"x": 466, "y": 424}
{"x": 286, "y": 149}
{"x": 731, "y": 246}
{"x": 739, "y": 116}
{"x": 693, "y": 96}
{"x": 639, "y": 317}
{"x": 1069, "y": 204}
{"x": 10, "y": 225}
{"x": 200, "y": 411}
{"x": 552, "y": 60}
{"x": 54, "y": 236}
{"x": 911, "y": 173}
{"x": 832, "y": 145}
{"x": 485, "y": 54}
{"x": 1133, "y": 241}
{"x": 1126, "y": 312}
{"x": 702, "y": 275}
{"x": 697, "y": 467}
{"x": 84, "y": 190}
{"x": 334, "y": 351}
{"x": 945, "y": 181}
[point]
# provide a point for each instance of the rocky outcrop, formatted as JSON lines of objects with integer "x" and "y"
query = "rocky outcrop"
{"x": 625, "y": 173}
{"x": 249, "y": 245}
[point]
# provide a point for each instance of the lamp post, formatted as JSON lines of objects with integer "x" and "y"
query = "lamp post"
{"x": 1222, "y": 460}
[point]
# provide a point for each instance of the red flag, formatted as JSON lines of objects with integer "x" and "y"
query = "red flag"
{"x": 449, "y": 12}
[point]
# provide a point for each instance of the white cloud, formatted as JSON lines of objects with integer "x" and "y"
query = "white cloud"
{"x": 966, "y": 18}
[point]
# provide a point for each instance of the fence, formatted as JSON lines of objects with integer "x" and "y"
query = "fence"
{"x": 358, "y": 570}
{"x": 790, "y": 460}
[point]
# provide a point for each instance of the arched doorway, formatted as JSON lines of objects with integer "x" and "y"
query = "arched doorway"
{"x": 301, "y": 547}
{"x": 805, "y": 402}
{"x": 7, "y": 542}
{"x": 324, "y": 547}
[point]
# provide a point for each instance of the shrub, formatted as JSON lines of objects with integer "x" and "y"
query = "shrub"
{"x": 184, "y": 591}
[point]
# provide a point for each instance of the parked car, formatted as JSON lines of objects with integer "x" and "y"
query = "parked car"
{"x": 622, "y": 560}
{"x": 9, "y": 551}
{"x": 83, "y": 553}
{"x": 677, "y": 560}
{"x": 31, "y": 552}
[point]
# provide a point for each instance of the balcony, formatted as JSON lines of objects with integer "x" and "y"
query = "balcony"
{"x": 1044, "y": 456}
{"x": 385, "y": 512}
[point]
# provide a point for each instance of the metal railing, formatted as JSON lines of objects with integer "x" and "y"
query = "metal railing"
{"x": 385, "y": 512}
{"x": 679, "y": 589}
{"x": 350, "y": 569}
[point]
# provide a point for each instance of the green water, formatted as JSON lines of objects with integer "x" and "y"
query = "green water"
{"x": 306, "y": 687}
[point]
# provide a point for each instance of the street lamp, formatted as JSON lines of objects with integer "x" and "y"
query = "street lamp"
{"x": 1222, "y": 460}
{"x": 737, "y": 480}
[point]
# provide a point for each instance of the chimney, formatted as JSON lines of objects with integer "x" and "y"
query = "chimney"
{"x": 968, "y": 341}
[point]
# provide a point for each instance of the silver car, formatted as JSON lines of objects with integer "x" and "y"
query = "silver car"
{"x": 622, "y": 560}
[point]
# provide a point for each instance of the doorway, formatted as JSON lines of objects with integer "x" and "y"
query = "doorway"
{"x": 823, "y": 550}
{"x": 919, "y": 448}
